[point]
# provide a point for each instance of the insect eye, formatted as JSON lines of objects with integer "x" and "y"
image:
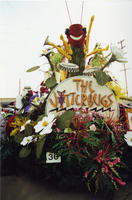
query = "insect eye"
{"x": 67, "y": 31}
{"x": 84, "y": 29}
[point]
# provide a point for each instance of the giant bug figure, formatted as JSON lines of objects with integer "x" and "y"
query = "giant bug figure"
{"x": 76, "y": 49}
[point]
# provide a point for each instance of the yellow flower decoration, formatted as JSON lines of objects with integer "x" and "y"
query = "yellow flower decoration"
{"x": 118, "y": 91}
{"x": 15, "y": 131}
{"x": 17, "y": 125}
{"x": 63, "y": 75}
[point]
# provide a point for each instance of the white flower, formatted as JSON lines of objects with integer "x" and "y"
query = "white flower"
{"x": 128, "y": 138}
{"x": 36, "y": 101}
{"x": 19, "y": 103}
{"x": 44, "y": 126}
{"x": 26, "y": 140}
{"x": 35, "y": 139}
{"x": 118, "y": 54}
{"x": 19, "y": 98}
{"x": 47, "y": 51}
{"x": 45, "y": 67}
{"x": 92, "y": 127}
{"x": 23, "y": 126}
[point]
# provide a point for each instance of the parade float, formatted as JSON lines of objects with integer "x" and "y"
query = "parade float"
{"x": 74, "y": 131}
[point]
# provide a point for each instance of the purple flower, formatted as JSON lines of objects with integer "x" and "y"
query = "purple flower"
{"x": 26, "y": 109}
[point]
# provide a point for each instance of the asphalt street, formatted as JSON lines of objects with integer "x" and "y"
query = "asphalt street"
{"x": 23, "y": 188}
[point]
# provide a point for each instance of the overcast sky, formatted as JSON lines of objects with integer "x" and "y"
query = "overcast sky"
{"x": 24, "y": 26}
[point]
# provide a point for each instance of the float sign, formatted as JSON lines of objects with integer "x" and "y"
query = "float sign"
{"x": 84, "y": 92}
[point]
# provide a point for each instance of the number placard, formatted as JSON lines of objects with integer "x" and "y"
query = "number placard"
{"x": 52, "y": 158}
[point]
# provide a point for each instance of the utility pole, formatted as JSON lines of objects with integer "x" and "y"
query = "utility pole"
{"x": 19, "y": 89}
{"x": 124, "y": 67}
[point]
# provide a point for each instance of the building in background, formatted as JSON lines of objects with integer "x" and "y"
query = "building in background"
{"x": 7, "y": 102}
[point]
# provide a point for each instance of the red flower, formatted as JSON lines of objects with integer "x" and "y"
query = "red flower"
{"x": 112, "y": 163}
{"x": 99, "y": 156}
{"x": 30, "y": 92}
{"x": 86, "y": 174}
{"x": 105, "y": 168}
{"x": 44, "y": 90}
{"x": 8, "y": 124}
{"x": 119, "y": 181}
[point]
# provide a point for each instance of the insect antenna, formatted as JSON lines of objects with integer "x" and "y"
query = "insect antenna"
{"x": 68, "y": 11}
{"x": 82, "y": 11}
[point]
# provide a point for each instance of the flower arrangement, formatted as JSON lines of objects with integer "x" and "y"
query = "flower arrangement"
{"x": 91, "y": 148}
{"x": 83, "y": 138}
{"x": 93, "y": 144}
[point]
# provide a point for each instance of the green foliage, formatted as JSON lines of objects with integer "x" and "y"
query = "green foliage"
{"x": 56, "y": 59}
{"x": 97, "y": 60}
{"x": 102, "y": 78}
{"x": 25, "y": 101}
{"x": 25, "y": 152}
{"x": 6, "y": 149}
{"x": 18, "y": 138}
{"x": 65, "y": 120}
{"x": 39, "y": 147}
{"x": 28, "y": 130}
{"x": 40, "y": 117}
{"x": 68, "y": 130}
{"x": 33, "y": 69}
{"x": 50, "y": 82}
{"x": 92, "y": 141}
{"x": 78, "y": 58}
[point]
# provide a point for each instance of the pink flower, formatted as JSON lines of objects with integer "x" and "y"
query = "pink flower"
{"x": 86, "y": 174}
{"x": 119, "y": 181}
{"x": 57, "y": 130}
{"x": 93, "y": 127}
{"x": 105, "y": 168}
{"x": 98, "y": 157}
{"x": 114, "y": 162}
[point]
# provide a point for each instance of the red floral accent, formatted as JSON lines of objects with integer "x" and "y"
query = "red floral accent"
{"x": 105, "y": 168}
{"x": 43, "y": 89}
{"x": 9, "y": 128}
{"x": 112, "y": 163}
{"x": 99, "y": 156}
{"x": 86, "y": 174}
{"x": 119, "y": 181}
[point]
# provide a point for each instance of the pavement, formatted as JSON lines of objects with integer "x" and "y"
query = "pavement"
{"x": 24, "y": 188}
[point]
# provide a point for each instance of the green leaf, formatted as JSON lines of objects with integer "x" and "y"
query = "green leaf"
{"x": 55, "y": 59}
{"x": 28, "y": 130}
{"x": 33, "y": 69}
{"x": 68, "y": 130}
{"x": 102, "y": 78}
{"x": 25, "y": 151}
{"x": 93, "y": 167}
{"x": 18, "y": 138}
{"x": 91, "y": 141}
{"x": 50, "y": 82}
{"x": 113, "y": 137}
{"x": 39, "y": 147}
{"x": 65, "y": 120}
{"x": 40, "y": 117}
